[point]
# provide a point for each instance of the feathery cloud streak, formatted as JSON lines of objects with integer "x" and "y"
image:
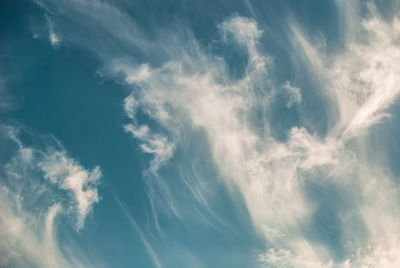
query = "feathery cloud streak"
{"x": 38, "y": 186}
{"x": 191, "y": 90}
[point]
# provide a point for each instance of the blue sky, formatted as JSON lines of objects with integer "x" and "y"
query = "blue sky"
{"x": 199, "y": 134}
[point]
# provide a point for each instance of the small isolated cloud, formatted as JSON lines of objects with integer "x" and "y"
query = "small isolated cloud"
{"x": 54, "y": 37}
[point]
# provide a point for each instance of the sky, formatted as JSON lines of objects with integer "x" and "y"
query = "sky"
{"x": 199, "y": 133}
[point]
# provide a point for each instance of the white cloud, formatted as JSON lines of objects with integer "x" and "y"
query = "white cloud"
{"x": 361, "y": 80}
{"x": 31, "y": 206}
{"x": 59, "y": 169}
{"x": 155, "y": 144}
{"x": 245, "y": 32}
{"x": 192, "y": 91}
{"x": 182, "y": 93}
{"x": 144, "y": 239}
{"x": 294, "y": 94}
{"x": 142, "y": 73}
{"x": 23, "y": 245}
{"x": 186, "y": 93}
{"x": 70, "y": 176}
{"x": 54, "y": 37}
{"x": 130, "y": 106}
{"x": 271, "y": 174}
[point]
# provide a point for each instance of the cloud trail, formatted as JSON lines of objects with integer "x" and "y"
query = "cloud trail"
{"x": 54, "y": 38}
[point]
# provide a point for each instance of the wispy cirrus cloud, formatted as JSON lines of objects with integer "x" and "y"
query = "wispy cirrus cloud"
{"x": 31, "y": 202}
{"x": 62, "y": 170}
{"x": 191, "y": 91}
{"x": 272, "y": 175}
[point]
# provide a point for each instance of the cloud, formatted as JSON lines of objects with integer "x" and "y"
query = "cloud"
{"x": 144, "y": 239}
{"x": 70, "y": 176}
{"x": 245, "y": 32}
{"x": 31, "y": 206}
{"x": 360, "y": 80}
{"x": 154, "y": 144}
{"x": 293, "y": 93}
{"x": 24, "y": 246}
{"x": 271, "y": 175}
{"x": 54, "y": 37}
{"x": 60, "y": 170}
{"x": 206, "y": 98}
{"x": 191, "y": 91}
